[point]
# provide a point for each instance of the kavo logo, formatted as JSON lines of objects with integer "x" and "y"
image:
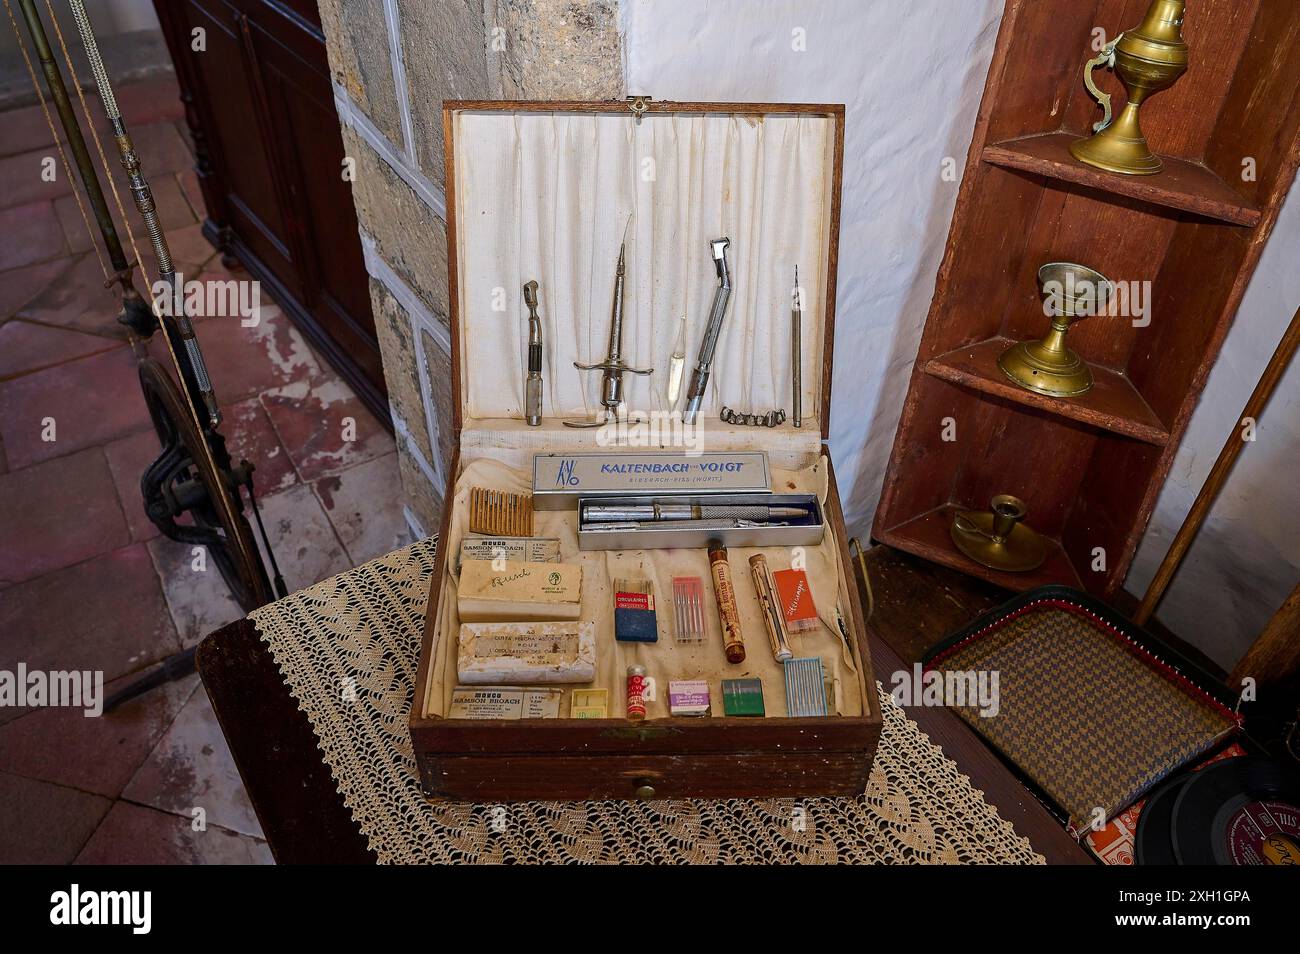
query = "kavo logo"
{"x": 564, "y": 476}
{"x": 134, "y": 908}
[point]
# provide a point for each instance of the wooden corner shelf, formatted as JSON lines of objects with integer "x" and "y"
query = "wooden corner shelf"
{"x": 1112, "y": 404}
{"x": 928, "y": 536}
{"x": 1182, "y": 244}
{"x": 1183, "y": 185}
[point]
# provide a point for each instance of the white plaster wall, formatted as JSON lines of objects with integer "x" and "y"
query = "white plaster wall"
{"x": 911, "y": 75}
{"x": 1246, "y": 559}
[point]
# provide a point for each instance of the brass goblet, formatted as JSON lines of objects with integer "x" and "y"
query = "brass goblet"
{"x": 1147, "y": 59}
{"x": 1050, "y": 366}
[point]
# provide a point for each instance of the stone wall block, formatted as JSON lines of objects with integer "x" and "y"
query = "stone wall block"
{"x": 357, "y": 43}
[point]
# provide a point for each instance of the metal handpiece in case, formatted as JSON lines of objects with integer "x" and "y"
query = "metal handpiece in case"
{"x": 739, "y": 520}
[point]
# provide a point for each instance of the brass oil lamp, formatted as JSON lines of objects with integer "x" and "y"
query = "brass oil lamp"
{"x": 1147, "y": 59}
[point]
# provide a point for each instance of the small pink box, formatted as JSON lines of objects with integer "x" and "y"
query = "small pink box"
{"x": 688, "y": 697}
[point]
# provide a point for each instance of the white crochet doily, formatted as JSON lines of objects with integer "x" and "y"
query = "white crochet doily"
{"x": 348, "y": 648}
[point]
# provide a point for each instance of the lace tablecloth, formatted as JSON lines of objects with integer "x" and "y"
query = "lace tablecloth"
{"x": 349, "y": 646}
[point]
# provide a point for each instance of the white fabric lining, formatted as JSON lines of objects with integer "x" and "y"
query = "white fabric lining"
{"x": 571, "y": 181}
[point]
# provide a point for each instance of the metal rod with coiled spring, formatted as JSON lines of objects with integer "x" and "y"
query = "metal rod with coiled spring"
{"x": 144, "y": 202}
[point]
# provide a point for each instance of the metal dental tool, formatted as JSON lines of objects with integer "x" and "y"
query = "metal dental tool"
{"x": 533, "y": 383}
{"x": 592, "y": 513}
{"x": 613, "y": 367}
{"x": 773, "y": 418}
{"x": 796, "y": 356}
{"x": 700, "y": 376}
{"x": 677, "y": 366}
{"x": 714, "y": 524}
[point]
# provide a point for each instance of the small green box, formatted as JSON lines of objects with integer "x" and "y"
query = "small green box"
{"x": 742, "y": 697}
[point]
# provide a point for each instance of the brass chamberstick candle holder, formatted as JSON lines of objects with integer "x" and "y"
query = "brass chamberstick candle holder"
{"x": 997, "y": 538}
{"x": 1147, "y": 59}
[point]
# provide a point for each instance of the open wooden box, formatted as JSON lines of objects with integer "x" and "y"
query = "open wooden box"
{"x": 1091, "y": 466}
{"x": 543, "y": 190}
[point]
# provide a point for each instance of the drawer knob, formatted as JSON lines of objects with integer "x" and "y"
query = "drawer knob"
{"x": 645, "y": 791}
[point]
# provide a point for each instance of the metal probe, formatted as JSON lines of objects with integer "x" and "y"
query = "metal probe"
{"x": 796, "y": 352}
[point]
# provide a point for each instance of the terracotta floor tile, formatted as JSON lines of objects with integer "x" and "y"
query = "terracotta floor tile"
{"x": 104, "y": 614}
{"x": 155, "y": 100}
{"x": 251, "y": 436}
{"x": 20, "y": 285}
{"x": 57, "y": 514}
{"x": 28, "y": 234}
{"x": 96, "y": 754}
{"x": 172, "y": 208}
{"x": 243, "y": 362}
{"x": 305, "y": 544}
{"x": 127, "y": 459}
{"x": 132, "y": 835}
{"x": 198, "y": 600}
{"x": 44, "y": 824}
{"x": 143, "y": 103}
{"x": 91, "y": 400}
{"x": 26, "y": 129}
{"x": 189, "y": 180}
{"x": 364, "y": 503}
{"x": 25, "y": 346}
{"x": 79, "y": 300}
{"x": 324, "y": 426}
{"x": 191, "y": 252}
{"x": 191, "y": 767}
{"x": 161, "y": 148}
{"x": 24, "y": 176}
{"x": 223, "y": 272}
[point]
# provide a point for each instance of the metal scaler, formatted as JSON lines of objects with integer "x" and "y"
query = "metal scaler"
{"x": 703, "y": 364}
{"x": 796, "y": 353}
{"x": 613, "y": 367}
{"x": 533, "y": 382}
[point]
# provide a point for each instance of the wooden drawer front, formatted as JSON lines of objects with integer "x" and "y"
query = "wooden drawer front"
{"x": 563, "y": 778}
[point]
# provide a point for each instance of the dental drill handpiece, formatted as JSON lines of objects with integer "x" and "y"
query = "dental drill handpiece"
{"x": 700, "y": 376}
{"x": 533, "y": 383}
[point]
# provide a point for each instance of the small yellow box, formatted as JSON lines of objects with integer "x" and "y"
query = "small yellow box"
{"x": 589, "y": 704}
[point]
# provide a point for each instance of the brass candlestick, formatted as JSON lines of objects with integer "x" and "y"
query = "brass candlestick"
{"x": 1146, "y": 59}
{"x": 1049, "y": 366}
{"x": 997, "y": 539}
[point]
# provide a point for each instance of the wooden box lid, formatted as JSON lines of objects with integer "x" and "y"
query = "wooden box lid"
{"x": 546, "y": 191}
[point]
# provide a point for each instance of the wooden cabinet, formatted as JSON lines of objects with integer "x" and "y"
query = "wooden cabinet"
{"x": 1090, "y": 467}
{"x": 259, "y": 103}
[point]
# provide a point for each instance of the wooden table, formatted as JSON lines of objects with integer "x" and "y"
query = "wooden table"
{"x": 303, "y": 815}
